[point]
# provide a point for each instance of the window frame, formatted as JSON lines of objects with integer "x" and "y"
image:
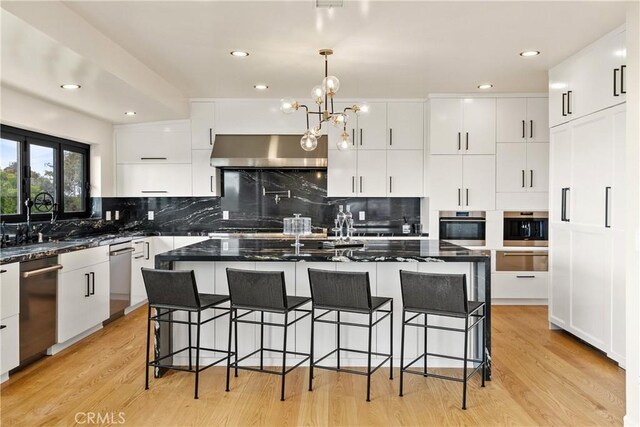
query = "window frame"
{"x": 25, "y": 139}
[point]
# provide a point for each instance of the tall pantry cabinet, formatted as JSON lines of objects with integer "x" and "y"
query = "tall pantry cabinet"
{"x": 587, "y": 287}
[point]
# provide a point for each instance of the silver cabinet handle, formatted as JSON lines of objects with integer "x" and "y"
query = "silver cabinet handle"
{"x": 148, "y": 249}
{"x": 211, "y": 184}
{"x": 40, "y": 271}
{"x": 121, "y": 251}
{"x": 526, "y": 254}
{"x": 138, "y": 257}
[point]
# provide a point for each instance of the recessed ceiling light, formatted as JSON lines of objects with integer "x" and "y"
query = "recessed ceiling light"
{"x": 129, "y": 113}
{"x": 261, "y": 87}
{"x": 70, "y": 86}
{"x": 527, "y": 53}
{"x": 485, "y": 86}
{"x": 239, "y": 53}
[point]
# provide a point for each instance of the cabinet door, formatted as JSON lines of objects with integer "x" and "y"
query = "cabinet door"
{"x": 592, "y": 168}
{"x": 559, "y": 84}
{"x": 591, "y": 284}
{"x": 204, "y": 177}
{"x": 479, "y": 117}
{"x": 560, "y": 163}
{"x": 560, "y": 273}
{"x": 202, "y": 125}
{"x": 372, "y": 173}
{"x": 479, "y": 182}
{"x": 511, "y": 167}
{"x": 537, "y": 124}
{"x": 406, "y": 123}
{"x": 257, "y": 117}
{"x": 153, "y": 180}
{"x": 334, "y": 133}
{"x": 167, "y": 142}
{"x": 445, "y": 126}
{"x": 10, "y": 290}
{"x": 405, "y": 173}
{"x": 511, "y": 119}
{"x": 537, "y": 174}
{"x": 342, "y": 173}
{"x": 445, "y": 183}
{"x": 141, "y": 258}
{"x": 9, "y": 343}
{"x": 372, "y": 128}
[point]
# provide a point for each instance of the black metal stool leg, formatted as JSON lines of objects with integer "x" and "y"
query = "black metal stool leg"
{"x": 464, "y": 370}
{"x": 426, "y": 323}
{"x": 197, "y": 353}
{"x": 402, "y": 352}
{"x": 284, "y": 355}
{"x": 338, "y": 339}
{"x": 311, "y": 350}
{"x": 484, "y": 347}
{"x": 229, "y": 348}
{"x": 235, "y": 340}
{"x": 391, "y": 342}
{"x": 369, "y": 359}
{"x": 146, "y": 366}
{"x": 262, "y": 340}
{"x": 190, "y": 345}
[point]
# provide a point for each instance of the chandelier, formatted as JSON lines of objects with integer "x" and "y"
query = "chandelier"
{"x": 322, "y": 96}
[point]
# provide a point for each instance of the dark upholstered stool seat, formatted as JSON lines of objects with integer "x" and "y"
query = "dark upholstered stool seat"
{"x": 169, "y": 292}
{"x": 264, "y": 292}
{"x": 443, "y": 295}
{"x": 342, "y": 291}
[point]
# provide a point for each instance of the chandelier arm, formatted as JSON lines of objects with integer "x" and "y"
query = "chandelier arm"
{"x": 306, "y": 114}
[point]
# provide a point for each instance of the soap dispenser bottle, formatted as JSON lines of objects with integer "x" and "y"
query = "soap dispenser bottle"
{"x": 406, "y": 228}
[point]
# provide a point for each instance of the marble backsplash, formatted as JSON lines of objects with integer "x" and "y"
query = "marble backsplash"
{"x": 248, "y": 208}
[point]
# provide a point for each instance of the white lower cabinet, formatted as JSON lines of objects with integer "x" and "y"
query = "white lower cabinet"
{"x": 153, "y": 180}
{"x": 141, "y": 257}
{"x": 9, "y": 343}
{"x": 83, "y": 299}
{"x": 523, "y": 285}
{"x": 10, "y": 290}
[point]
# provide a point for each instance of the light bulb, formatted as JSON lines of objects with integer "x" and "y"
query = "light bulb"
{"x": 338, "y": 119}
{"x": 288, "y": 105}
{"x": 308, "y": 142}
{"x": 363, "y": 108}
{"x": 330, "y": 84}
{"x": 343, "y": 143}
{"x": 317, "y": 94}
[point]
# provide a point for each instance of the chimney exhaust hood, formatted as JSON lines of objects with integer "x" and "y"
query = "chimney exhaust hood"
{"x": 266, "y": 152}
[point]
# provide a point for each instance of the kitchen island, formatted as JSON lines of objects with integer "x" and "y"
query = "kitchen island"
{"x": 383, "y": 259}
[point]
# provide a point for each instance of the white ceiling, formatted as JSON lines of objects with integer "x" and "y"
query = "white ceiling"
{"x": 382, "y": 49}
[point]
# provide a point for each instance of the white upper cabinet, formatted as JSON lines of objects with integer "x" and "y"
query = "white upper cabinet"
{"x": 406, "y": 125}
{"x": 522, "y": 120}
{"x": 372, "y": 127}
{"x": 463, "y": 126}
{"x": 258, "y": 117}
{"x": 522, "y": 168}
{"x": 205, "y": 179}
{"x": 589, "y": 81}
{"x": 342, "y": 171}
{"x": 153, "y": 180}
{"x": 372, "y": 166}
{"x": 538, "y": 167}
{"x": 405, "y": 173}
{"x": 202, "y": 125}
{"x": 479, "y": 182}
{"x": 166, "y": 142}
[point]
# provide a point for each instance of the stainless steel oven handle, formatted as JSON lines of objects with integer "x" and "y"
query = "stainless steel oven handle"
{"x": 525, "y": 254}
{"x": 121, "y": 251}
{"x": 40, "y": 271}
{"x": 463, "y": 220}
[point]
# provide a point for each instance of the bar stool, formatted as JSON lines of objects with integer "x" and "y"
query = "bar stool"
{"x": 177, "y": 291}
{"x": 348, "y": 292}
{"x": 442, "y": 295}
{"x": 263, "y": 291}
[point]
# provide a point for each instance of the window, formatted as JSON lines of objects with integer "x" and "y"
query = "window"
{"x": 51, "y": 172}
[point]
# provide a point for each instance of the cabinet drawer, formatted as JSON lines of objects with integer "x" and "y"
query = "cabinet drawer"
{"x": 73, "y": 260}
{"x": 9, "y": 290}
{"x": 522, "y": 285}
{"x": 9, "y": 343}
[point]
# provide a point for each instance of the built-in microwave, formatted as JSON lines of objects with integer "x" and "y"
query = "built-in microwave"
{"x": 526, "y": 228}
{"x": 466, "y": 228}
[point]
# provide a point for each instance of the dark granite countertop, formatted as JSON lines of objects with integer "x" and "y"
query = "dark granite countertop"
{"x": 281, "y": 250}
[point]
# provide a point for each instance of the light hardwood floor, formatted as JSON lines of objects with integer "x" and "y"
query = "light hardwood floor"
{"x": 540, "y": 377}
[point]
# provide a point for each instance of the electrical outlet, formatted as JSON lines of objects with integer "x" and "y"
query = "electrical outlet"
{"x": 107, "y": 215}
{"x": 225, "y": 214}
{"x": 225, "y": 245}
{"x": 150, "y": 215}
{"x": 117, "y": 215}
{"x": 361, "y": 215}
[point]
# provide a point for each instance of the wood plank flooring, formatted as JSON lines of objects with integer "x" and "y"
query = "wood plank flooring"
{"x": 541, "y": 377}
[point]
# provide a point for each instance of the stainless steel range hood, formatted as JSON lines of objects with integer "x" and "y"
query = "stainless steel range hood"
{"x": 266, "y": 152}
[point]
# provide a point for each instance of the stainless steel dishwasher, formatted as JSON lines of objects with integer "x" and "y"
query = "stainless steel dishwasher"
{"x": 38, "y": 293}
{"x": 119, "y": 278}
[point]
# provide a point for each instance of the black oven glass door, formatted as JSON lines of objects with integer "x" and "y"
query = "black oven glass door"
{"x": 525, "y": 229}
{"x": 456, "y": 229}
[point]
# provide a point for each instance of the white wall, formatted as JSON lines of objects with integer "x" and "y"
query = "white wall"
{"x": 27, "y": 112}
{"x": 632, "y": 417}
